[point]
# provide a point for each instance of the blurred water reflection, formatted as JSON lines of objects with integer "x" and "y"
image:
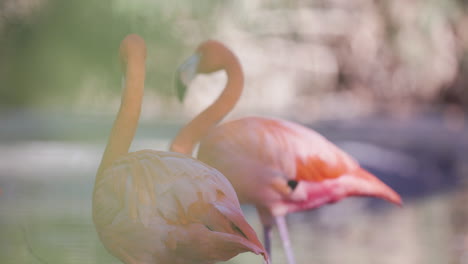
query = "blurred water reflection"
{"x": 47, "y": 187}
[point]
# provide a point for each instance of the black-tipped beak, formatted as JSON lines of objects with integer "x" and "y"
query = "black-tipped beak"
{"x": 185, "y": 74}
{"x": 181, "y": 89}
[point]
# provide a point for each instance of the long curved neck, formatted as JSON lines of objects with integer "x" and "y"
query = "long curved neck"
{"x": 126, "y": 122}
{"x": 185, "y": 141}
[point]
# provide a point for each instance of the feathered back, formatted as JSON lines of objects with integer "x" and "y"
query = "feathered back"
{"x": 278, "y": 144}
{"x": 153, "y": 205}
{"x": 262, "y": 149}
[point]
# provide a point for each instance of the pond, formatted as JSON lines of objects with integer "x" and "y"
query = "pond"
{"x": 45, "y": 216}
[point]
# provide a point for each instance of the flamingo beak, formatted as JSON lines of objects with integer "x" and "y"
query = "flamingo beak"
{"x": 185, "y": 74}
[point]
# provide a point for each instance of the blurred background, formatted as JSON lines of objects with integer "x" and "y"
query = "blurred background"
{"x": 385, "y": 80}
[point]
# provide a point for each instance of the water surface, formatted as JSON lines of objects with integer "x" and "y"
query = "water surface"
{"x": 45, "y": 216}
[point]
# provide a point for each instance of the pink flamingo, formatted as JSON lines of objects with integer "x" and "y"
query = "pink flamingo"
{"x": 162, "y": 207}
{"x": 278, "y": 166}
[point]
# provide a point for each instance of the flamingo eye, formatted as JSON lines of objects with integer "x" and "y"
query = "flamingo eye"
{"x": 293, "y": 184}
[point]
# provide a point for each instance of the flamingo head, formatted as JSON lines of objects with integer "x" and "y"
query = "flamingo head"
{"x": 210, "y": 56}
{"x": 185, "y": 74}
{"x": 133, "y": 46}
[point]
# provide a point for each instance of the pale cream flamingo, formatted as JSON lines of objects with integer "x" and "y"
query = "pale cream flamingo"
{"x": 278, "y": 166}
{"x": 162, "y": 207}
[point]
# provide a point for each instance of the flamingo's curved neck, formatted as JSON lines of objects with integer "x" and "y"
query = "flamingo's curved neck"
{"x": 126, "y": 122}
{"x": 193, "y": 132}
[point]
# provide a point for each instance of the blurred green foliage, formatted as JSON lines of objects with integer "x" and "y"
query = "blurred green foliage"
{"x": 46, "y": 55}
{"x": 60, "y": 52}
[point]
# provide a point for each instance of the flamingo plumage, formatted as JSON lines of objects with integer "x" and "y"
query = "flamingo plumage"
{"x": 278, "y": 166}
{"x": 162, "y": 207}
